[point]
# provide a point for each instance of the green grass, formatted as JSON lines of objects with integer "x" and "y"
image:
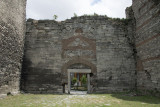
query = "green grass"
{"x": 91, "y": 100}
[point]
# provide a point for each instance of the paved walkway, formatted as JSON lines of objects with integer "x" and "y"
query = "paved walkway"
{"x": 73, "y": 92}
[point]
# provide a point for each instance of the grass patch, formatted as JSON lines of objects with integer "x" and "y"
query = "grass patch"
{"x": 91, "y": 100}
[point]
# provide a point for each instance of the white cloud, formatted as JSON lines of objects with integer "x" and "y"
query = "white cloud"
{"x": 45, "y": 9}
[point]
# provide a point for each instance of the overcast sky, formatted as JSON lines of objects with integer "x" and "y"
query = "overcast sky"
{"x": 65, "y": 9}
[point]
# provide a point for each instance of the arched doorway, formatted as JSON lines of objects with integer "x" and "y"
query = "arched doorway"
{"x": 81, "y": 75}
{"x": 79, "y": 66}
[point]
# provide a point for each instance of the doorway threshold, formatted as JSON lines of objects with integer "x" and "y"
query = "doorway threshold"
{"x": 75, "y": 92}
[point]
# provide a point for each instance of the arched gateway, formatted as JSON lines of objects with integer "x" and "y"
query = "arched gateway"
{"x": 79, "y": 53}
{"x": 78, "y": 65}
{"x": 91, "y": 45}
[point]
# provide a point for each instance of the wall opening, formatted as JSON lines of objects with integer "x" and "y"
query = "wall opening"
{"x": 78, "y": 81}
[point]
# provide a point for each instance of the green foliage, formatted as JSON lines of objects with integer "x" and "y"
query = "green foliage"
{"x": 75, "y": 15}
{"x": 55, "y": 17}
{"x": 95, "y": 14}
{"x": 83, "y": 79}
{"x": 86, "y": 15}
{"x": 105, "y": 16}
{"x": 123, "y": 20}
{"x": 118, "y": 20}
{"x": 74, "y": 80}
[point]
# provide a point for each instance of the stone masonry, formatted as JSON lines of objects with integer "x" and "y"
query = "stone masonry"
{"x": 147, "y": 42}
{"x": 97, "y": 42}
{"x": 122, "y": 54}
{"x": 12, "y": 31}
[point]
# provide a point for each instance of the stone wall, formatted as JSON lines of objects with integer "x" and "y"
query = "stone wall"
{"x": 121, "y": 55}
{"x": 99, "y": 43}
{"x": 147, "y": 40}
{"x": 115, "y": 56}
{"x": 12, "y": 31}
{"x": 41, "y": 71}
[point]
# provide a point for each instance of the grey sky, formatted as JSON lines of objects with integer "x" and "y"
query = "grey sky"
{"x": 45, "y": 9}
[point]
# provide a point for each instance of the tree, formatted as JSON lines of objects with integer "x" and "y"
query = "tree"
{"x": 55, "y": 17}
{"x": 95, "y": 14}
{"x": 83, "y": 79}
{"x": 74, "y": 80}
{"x": 75, "y": 15}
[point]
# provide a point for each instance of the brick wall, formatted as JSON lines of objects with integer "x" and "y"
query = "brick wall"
{"x": 147, "y": 40}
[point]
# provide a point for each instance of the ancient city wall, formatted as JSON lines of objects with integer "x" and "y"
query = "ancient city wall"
{"x": 122, "y": 54}
{"x": 42, "y": 58}
{"x": 99, "y": 43}
{"x": 12, "y": 31}
{"x": 147, "y": 40}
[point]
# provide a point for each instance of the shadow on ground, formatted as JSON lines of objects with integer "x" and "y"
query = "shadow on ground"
{"x": 135, "y": 98}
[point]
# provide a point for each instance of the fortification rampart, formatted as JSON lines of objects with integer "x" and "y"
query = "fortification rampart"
{"x": 101, "y": 43}
{"x": 122, "y": 54}
{"x": 147, "y": 41}
{"x": 12, "y": 31}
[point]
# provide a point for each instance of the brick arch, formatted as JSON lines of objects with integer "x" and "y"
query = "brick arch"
{"x": 75, "y": 61}
{"x": 79, "y": 30}
{"x": 91, "y": 44}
